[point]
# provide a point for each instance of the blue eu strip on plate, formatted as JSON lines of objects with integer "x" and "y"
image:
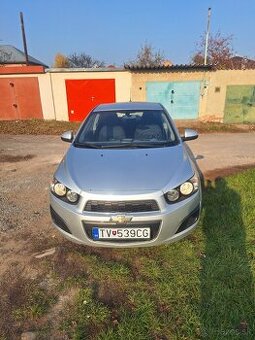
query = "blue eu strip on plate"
{"x": 95, "y": 233}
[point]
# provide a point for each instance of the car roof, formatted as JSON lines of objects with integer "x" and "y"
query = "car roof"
{"x": 128, "y": 106}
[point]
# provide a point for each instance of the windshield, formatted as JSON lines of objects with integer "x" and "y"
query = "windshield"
{"x": 127, "y": 129}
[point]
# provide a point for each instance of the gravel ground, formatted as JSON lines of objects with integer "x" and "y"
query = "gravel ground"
{"x": 214, "y": 151}
{"x": 28, "y": 162}
{"x": 26, "y": 167}
{"x": 224, "y": 151}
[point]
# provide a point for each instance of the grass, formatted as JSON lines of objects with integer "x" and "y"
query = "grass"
{"x": 202, "y": 287}
{"x": 227, "y": 279}
{"x": 23, "y": 302}
{"x": 52, "y": 127}
{"x": 199, "y": 288}
{"x": 36, "y": 304}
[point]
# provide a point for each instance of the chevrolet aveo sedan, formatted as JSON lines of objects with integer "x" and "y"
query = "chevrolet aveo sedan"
{"x": 127, "y": 180}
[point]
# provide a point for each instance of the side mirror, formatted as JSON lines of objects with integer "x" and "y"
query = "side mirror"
{"x": 67, "y": 136}
{"x": 189, "y": 134}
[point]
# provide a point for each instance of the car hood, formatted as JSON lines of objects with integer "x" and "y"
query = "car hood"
{"x": 125, "y": 170}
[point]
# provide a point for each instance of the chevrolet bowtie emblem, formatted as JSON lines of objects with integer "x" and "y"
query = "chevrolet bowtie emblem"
{"x": 120, "y": 219}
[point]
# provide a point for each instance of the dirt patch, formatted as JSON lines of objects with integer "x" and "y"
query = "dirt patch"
{"x": 36, "y": 127}
{"x": 13, "y": 159}
{"x": 57, "y": 313}
{"x": 106, "y": 254}
{"x": 52, "y": 127}
{"x": 111, "y": 294}
{"x": 22, "y": 303}
{"x": 210, "y": 127}
{"x": 213, "y": 174}
{"x": 66, "y": 262}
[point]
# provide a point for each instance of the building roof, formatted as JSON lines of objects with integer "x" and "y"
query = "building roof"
{"x": 134, "y": 68}
{"x": 174, "y": 67}
{"x": 128, "y": 106}
{"x": 83, "y": 69}
{"x": 242, "y": 62}
{"x": 12, "y": 55}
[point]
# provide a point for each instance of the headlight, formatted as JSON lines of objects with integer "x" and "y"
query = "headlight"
{"x": 62, "y": 192}
{"x": 173, "y": 195}
{"x": 60, "y": 189}
{"x": 183, "y": 191}
{"x": 72, "y": 196}
{"x": 186, "y": 188}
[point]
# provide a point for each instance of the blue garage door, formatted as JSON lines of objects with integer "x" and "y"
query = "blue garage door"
{"x": 181, "y": 99}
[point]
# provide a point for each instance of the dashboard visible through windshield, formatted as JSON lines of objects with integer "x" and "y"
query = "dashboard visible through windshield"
{"x": 126, "y": 129}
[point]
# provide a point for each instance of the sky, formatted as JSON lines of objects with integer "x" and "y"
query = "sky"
{"x": 114, "y": 30}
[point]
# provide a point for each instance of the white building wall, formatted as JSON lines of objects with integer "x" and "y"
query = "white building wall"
{"x": 46, "y": 96}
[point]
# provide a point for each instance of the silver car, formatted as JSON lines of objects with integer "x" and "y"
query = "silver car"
{"x": 127, "y": 180}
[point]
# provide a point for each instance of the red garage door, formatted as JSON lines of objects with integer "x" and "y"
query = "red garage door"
{"x": 20, "y": 98}
{"x": 84, "y": 94}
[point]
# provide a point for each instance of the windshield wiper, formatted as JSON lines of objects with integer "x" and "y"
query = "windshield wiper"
{"x": 88, "y": 145}
{"x": 125, "y": 145}
{"x": 138, "y": 145}
{"x": 117, "y": 146}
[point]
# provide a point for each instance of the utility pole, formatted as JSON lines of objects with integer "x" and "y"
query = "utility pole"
{"x": 24, "y": 37}
{"x": 207, "y": 35}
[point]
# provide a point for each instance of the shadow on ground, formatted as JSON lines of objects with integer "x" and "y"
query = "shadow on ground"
{"x": 227, "y": 291}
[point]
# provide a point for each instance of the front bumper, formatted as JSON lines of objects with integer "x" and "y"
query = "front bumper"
{"x": 171, "y": 223}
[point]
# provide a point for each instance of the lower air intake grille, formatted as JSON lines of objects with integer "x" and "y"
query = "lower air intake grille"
{"x": 122, "y": 206}
{"x": 59, "y": 221}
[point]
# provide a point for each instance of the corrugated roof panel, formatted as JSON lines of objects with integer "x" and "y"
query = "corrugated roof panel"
{"x": 168, "y": 67}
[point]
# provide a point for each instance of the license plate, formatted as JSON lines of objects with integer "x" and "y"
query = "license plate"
{"x": 120, "y": 233}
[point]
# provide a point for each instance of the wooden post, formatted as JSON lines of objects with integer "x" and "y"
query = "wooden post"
{"x": 24, "y": 37}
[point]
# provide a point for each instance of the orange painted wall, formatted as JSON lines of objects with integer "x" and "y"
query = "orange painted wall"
{"x": 21, "y": 69}
{"x": 20, "y": 98}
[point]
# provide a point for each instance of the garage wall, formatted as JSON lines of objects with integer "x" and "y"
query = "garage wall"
{"x": 139, "y": 80}
{"x": 217, "y": 88}
{"x": 212, "y": 98}
{"x": 47, "y": 106}
{"x": 122, "y": 87}
{"x": 180, "y": 98}
{"x": 240, "y": 104}
{"x": 52, "y": 88}
{"x": 46, "y": 96}
{"x": 20, "y": 98}
{"x": 212, "y": 92}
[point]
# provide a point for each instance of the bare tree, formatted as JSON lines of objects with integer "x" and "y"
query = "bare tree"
{"x": 147, "y": 57}
{"x": 61, "y": 61}
{"x": 220, "y": 51}
{"x": 84, "y": 60}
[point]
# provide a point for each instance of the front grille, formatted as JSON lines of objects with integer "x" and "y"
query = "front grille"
{"x": 122, "y": 206}
{"x": 153, "y": 225}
